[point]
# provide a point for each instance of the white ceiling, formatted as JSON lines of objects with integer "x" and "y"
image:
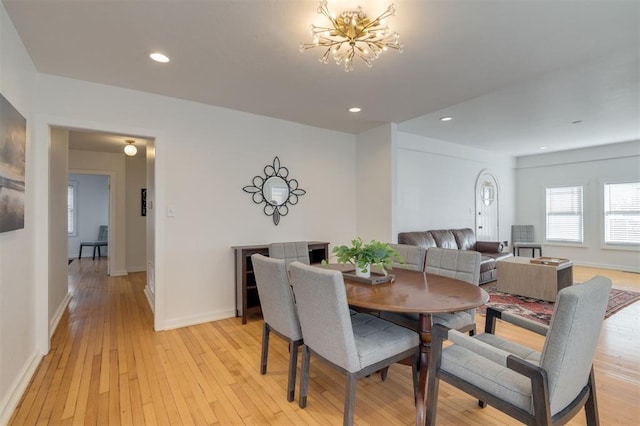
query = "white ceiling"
{"x": 514, "y": 74}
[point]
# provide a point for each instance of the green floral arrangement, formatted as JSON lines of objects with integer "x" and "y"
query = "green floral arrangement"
{"x": 361, "y": 255}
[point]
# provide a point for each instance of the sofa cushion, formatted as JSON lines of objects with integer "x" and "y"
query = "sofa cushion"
{"x": 497, "y": 256}
{"x": 444, "y": 238}
{"x": 489, "y": 246}
{"x": 422, "y": 239}
{"x": 465, "y": 238}
{"x": 487, "y": 263}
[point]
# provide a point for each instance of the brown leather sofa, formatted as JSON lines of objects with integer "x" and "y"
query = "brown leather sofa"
{"x": 461, "y": 239}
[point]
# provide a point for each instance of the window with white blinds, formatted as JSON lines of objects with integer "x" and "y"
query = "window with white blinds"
{"x": 71, "y": 208}
{"x": 564, "y": 214}
{"x": 622, "y": 213}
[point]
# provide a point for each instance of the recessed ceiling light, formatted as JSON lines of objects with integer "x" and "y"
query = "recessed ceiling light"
{"x": 446, "y": 118}
{"x": 159, "y": 57}
{"x": 355, "y": 109}
{"x": 543, "y": 147}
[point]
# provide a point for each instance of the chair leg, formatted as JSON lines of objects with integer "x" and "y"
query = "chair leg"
{"x": 591, "y": 406}
{"x": 433, "y": 385}
{"x": 293, "y": 364}
{"x": 414, "y": 376}
{"x": 265, "y": 348}
{"x": 349, "y": 400}
{"x": 383, "y": 373}
{"x": 99, "y": 252}
{"x": 304, "y": 377}
{"x": 80, "y": 252}
{"x": 94, "y": 253}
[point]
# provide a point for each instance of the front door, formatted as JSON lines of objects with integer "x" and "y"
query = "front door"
{"x": 487, "y": 200}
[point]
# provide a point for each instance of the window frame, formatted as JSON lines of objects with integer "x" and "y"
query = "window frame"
{"x": 564, "y": 241}
{"x": 634, "y": 246}
{"x": 74, "y": 186}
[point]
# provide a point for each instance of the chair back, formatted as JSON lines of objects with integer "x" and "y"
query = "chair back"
{"x": 324, "y": 314}
{"x": 276, "y": 299}
{"x": 103, "y": 233}
{"x": 522, "y": 234}
{"x": 290, "y": 252}
{"x": 573, "y": 335}
{"x": 459, "y": 264}
{"x": 413, "y": 256}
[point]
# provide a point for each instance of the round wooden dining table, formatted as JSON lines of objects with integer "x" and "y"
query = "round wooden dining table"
{"x": 419, "y": 293}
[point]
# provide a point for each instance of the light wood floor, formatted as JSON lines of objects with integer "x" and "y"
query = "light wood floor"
{"x": 107, "y": 366}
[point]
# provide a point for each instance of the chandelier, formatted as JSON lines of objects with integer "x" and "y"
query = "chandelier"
{"x": 353, "y": 34}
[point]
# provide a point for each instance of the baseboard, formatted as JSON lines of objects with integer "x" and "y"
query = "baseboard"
{"x": 136, "y": 269}
{"x": 18, "y": 387}
{"x": 118, "y": 273}
{"x": 53, "y": 322}
{"x": 150, "y": 298}
{"x": 607, "y": 266}
{"x": 198, "y": 319}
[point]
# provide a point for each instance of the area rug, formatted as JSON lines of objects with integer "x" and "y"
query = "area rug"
{"x": 540, "y": 310}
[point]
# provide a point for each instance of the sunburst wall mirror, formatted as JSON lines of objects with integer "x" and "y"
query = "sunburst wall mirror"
{"x": 275, "y": 190}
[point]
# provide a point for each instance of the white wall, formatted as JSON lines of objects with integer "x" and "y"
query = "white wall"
{"x": 92, "y": 212}
{"x": 204, "y": 156}
{"x": 590, "y": 167}
{"x": 375, "y": 183}
{"x": 436, "y": 184}
{"x": 58, "y": 280}
{"x": 18, "y": 304}
{"x": 136, "y": 172}
{"x": 150, "y": 230}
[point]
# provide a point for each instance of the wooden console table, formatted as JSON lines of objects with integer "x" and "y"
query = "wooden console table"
{"x": 247, "y": 299}
{"x": 517, "y": 275}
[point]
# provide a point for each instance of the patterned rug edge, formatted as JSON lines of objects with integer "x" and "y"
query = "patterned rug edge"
{"x": 540, "y": 310}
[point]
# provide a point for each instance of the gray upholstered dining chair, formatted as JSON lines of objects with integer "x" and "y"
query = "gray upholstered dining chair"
{"x": 413, "y": 256}
{"x": 356, "y": 345}
{"x": 102, "y": 241}
{"x": 278, "y": 311}
{"x": 463, "y": 265}
{"x": 535, "y": 388}
{"x": 290, "y": 252}
{"x": 523, "y": 237}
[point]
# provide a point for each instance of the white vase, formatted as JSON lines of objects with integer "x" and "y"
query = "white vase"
{"x": 366, "y": 268}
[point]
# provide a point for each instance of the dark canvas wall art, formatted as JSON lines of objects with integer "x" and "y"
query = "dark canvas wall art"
{"x": 13, "y": 138}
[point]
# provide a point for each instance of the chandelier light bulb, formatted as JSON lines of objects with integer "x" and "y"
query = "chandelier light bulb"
{"x": 353, "y": 34}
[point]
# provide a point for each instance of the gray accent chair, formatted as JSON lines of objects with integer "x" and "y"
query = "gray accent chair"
{"x": 279, "y": 312}
{"x": 102, "y": 241}
{"x": 413, "y": 256}
{"x": 535, "y": 388}
{"x": 356, "y": 345}
{"x": 290, "y": 252}
{"x": 523, "y": 237}
{"x": 463, "y": 265}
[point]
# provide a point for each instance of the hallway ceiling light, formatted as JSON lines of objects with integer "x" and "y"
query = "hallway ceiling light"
{"x": 129, "y": 149}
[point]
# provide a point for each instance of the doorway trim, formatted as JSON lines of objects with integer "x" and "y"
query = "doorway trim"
{"x": 41, "y": 145}
{"x": 112, "y": 210}
{"x": 487, "y": 194}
